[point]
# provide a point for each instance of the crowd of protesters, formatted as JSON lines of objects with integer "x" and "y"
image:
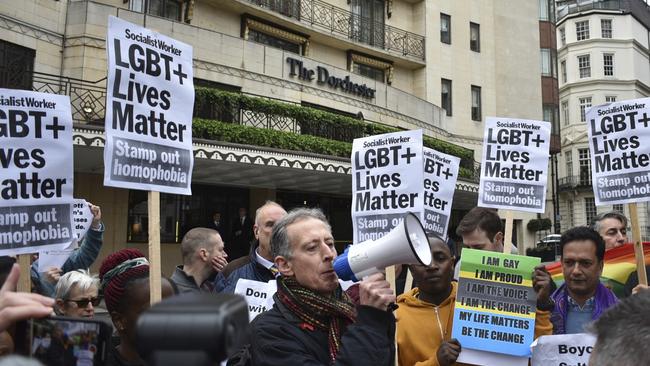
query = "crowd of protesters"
{"x": 314, "y": 321}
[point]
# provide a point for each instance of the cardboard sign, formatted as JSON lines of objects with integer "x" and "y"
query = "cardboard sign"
{"x": 386, "y": 182}
{"x": 495, "y": 305}
{"x": 563, "y": 350}
{"x": 149, "y": 104}
{"x": 619, "y": 143}
{"x": 440, "y": 175}
{"x": 37, "y": 174}
{"x": 515, "y": 164}
{"x": 258, "y": 295}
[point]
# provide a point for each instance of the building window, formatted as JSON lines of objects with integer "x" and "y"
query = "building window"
{"x": 570, "y": 209}
{"x": 368, "y": 21}
{"x": 476, "y": 103}
{"x": 268, "y": 34}
{"x": 562, "y": 36}
{"x": 565, "y": 112}
{"x": 568, "y": 157}
{"x": 582, "y": 30}
{"x": 590, "y": 210}
{"x": 584, "y": 164}
{"x": 445, "y": 28}
{"x": 585, "y": 103}
{"x": 563, "y": 70}
{"x": 474, "y": 37}
{"x": 544, "y": 10}
{"x": 369, "y": 71}
{"x": 16, "y": 66}
{"x": 550, "y": 114}
{"x": 546, "y": 62}
{"x": 370, "y": 67}
{"x": 608, "y": 64}
{"x": 445, "y": 95}
{"x": 610, "y": 98}
{"x": 584, "y": 66}
{"x": 618, "y": 208}
{"x": 170, "y": 9}
{"x": 606, "y": 28}
{"x": 179, "y": 213}
{"x": 273, "y": 41}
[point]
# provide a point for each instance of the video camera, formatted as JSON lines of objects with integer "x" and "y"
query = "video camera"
{"x": 192, "y": 329}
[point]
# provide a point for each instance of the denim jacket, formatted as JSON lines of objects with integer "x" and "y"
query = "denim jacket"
{"x": 81, "y": 258}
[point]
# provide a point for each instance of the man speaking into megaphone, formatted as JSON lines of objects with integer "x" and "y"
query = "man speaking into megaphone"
{"x": 312, "y": 320}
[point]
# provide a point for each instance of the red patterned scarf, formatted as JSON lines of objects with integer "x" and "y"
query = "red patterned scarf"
{"x": 330, "y": 314}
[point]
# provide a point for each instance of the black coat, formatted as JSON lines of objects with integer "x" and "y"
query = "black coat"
{"x": 278, "y": 339}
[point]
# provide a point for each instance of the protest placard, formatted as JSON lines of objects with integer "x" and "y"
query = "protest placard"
{"x": 37, "y": 174}
{"x": 515, "y": 164}
{"x": 387, "y": 181}
{"x": 440, "y": 175}
{"x": 563, "y": 350}
{"x": 495, "y": 304}
{"x": 258, "y": 295}
{"x": 619, "y": 143}
{"x": 149, "y": 104}
{"x": 82, "y": 218}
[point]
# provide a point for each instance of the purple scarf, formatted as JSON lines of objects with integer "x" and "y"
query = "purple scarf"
{"x": 603, "y": 300}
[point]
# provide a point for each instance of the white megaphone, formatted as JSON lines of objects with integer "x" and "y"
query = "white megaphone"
{"x": 405, "y": 244}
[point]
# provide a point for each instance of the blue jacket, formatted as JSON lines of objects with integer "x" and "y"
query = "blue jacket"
{"x": 79, "y": 259}
{"x": 245, "y": 267}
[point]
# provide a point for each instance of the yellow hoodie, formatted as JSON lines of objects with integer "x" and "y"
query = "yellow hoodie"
{"x": 422, "y": 326}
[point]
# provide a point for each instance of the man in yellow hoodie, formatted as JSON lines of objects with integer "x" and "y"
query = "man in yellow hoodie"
{"x": 425, "y": 314}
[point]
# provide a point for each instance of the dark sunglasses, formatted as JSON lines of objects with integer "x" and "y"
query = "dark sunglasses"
{"x": 82, "y": 303}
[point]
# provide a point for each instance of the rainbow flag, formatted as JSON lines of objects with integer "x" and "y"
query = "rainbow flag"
{"x": 619, "y": 264}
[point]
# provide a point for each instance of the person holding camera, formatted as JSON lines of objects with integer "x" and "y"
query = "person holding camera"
{"x": 313, "y": 321}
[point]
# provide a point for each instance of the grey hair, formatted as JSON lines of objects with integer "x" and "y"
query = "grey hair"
{"x": 258, "y": 212}
{"x": 595, "y": 224}
{"x": 195, "y": 239}
{"x": 80, "y": 279}
{"x": 280, "y": 244}
{"x": 623, "y": 333}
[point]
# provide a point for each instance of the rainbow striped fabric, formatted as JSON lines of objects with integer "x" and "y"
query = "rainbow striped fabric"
{"x": 619, "y": 264}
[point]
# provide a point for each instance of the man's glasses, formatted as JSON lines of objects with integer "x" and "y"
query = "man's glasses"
{"x": 82, "y": 303}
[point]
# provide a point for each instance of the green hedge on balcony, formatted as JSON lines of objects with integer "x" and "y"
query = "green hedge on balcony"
{"x": 230, "y": 132}
{"x": 315, "y": 122}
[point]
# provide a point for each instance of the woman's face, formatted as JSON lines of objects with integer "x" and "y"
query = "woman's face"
{"x": 79, "y": 304}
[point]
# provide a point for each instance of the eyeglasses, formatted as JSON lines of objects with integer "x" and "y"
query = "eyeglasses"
{"x": 82, "y": 303}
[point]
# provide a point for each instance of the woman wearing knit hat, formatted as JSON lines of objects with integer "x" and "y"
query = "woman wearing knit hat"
{"x": 124, "y": 277}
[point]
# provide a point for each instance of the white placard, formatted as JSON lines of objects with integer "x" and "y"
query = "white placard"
{"x": 515, "y": 164}
{"x": 619, "y": 143}
{"x": 440, "y": 175}
{"x": 258, "y": 295}
{"x": 387, "y": 182}
{"x": 563, "y": 350}
{"x": 82, "y": 218}
{"x": 36, "y": 172}
{"x": 483, "y": 358}
{"x": 53, "y": 258}
{"x": 149, "y": 102}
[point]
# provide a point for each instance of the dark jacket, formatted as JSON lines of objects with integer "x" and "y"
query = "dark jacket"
{"x": 244, "y": 267}
{"x": 280, "y": 338}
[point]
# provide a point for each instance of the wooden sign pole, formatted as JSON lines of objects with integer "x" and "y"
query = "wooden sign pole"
{"x": 638, "y": 245}
{"x": 507, "y": 238}
{"x": 408, "y": 285}
{"x": 25, "y": 282}
{"x": 154, "y": 248}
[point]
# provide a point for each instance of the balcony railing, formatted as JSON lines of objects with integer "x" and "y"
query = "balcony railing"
{"x": 578, "y": 182}
{"x": 344, "y": 23}
{"x": 87, "y": 98}
{"x": 576, "y": 6}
